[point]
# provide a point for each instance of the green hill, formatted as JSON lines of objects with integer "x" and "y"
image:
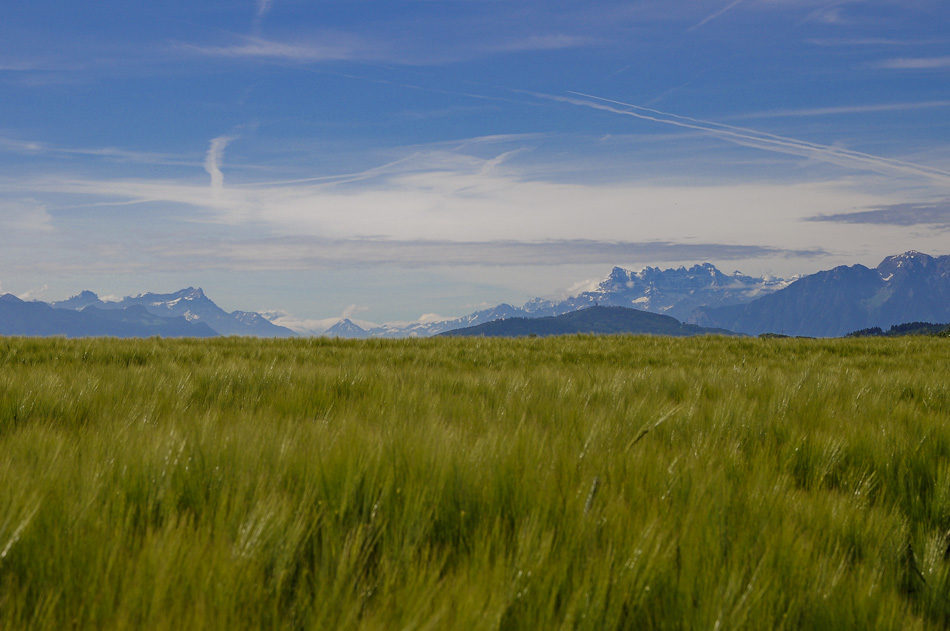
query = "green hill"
{"x": 598, "y": 320}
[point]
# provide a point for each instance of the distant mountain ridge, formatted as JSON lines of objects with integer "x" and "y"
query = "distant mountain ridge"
{"x": 676, "y": 292}
{"x": 908, "y": 287}
{"x": 596, "y": 320}
{"x": 18, "y": 317}
{"x": 190, "y": 303}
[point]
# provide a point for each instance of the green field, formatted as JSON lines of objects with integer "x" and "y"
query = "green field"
{"x": 579, "y": 482}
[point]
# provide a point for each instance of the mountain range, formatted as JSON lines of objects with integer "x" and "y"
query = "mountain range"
{"x": 909, "y": 287}
{"x": 906, "y": 287}
{"x": 185, "y": 313}
{"x": 676, "y": 292}
{"x": 18, "y": 317}
{"x": 190, "y": 303}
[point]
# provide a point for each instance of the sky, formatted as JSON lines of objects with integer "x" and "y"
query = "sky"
{"x": 388, "y": 159}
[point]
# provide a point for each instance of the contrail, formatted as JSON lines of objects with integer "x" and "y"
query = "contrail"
{"x": 757, "y": 139}
{"x": 848, "y": 109}
{"x": 344, "y": 178}
{"x": 715, "y": 15}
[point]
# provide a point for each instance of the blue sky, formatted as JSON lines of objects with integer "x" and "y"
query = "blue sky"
{"x": 389, "y": 159}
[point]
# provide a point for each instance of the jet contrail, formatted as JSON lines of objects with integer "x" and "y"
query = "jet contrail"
{"x": 715, "y": 15}
{"x": 757, "y": 139}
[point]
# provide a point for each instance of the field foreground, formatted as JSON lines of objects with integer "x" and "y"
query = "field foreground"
{"x": 579, "y": 482}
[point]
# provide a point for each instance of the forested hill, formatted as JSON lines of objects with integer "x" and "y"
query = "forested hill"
{"x": 599, "y": 320}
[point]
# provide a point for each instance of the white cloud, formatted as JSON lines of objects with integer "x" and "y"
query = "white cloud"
{"x": 263, "y": 7}
{"x": 871, "y": 41}
{"x": 827, "y": 15}
{"x": 352, "y": 310}
{"x": 34, "y": 294}
{"x": 554, "y": 41}
{"x": 32, "y": 147}
{"x": 580, "y": 287}
{"x": 328, "y": 46}
{"x": 311, "y": 253}
{"x": 462, "y": 203}
{"x": 429, "y": 318}
{"x": 304, "y": 326}
{"x": 915, "y": 63}
{"x": 311, "y": 326}
{"x": 17, "y": 66}
{"x": 325, "y": 47}
{"x": 445, "y": 208}
{"x": 24, "y": 216}
{"x": 213, "y": 161}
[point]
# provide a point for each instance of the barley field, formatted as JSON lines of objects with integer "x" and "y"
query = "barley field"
{"x": 554, "y": 483}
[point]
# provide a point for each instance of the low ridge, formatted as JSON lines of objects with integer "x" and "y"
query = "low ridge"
{"x": 596, "y": 320}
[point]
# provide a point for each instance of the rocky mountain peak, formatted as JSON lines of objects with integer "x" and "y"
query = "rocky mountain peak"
{"x": 191, "y": 293}
{"x": 908, "y": 262}
{"x": 617, "y": 275}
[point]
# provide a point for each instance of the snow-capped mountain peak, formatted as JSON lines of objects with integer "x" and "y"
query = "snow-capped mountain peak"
{"x": 904, "y": 263}
{"x": 346, "y": 328}
{"x": 674, "y": 291}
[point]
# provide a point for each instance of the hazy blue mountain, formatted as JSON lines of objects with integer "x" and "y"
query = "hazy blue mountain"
{"x": 18, "y": 317}
{"x": 191, "y": 304}
{"x": 79, "y": 301}
{"x": 904, "y": 288}
{"x": 346, "y": 328}
{"x": 600, "y": 320}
